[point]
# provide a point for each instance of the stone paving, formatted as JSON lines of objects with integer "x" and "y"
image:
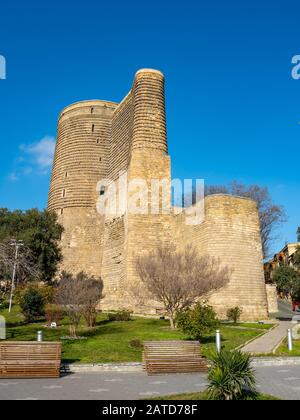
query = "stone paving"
{"x": 268, "y": 342}
{"x": 281, "y": 381}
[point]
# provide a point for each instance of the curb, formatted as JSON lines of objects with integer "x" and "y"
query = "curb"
{"x": 275, "y": 361}
{"x": 102, "y": 367}
{"x": 138, "y": 366}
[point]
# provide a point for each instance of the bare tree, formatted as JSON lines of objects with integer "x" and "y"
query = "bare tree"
{"x": 26, "y": 268}
{"x": 92, "y": 293}
{"x": 79, "y": 295}
{"x": 271, "y": 215}
{"x": 178, "y": 278}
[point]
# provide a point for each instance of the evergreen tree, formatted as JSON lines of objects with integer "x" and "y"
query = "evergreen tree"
{"x": 40, "y": 232}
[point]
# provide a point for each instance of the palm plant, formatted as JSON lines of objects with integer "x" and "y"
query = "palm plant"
{"x": 231, "y": 376}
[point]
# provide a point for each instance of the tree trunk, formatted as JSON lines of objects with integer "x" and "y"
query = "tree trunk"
{"x": 72, "y": 329}
{"x": 172, "y": 322}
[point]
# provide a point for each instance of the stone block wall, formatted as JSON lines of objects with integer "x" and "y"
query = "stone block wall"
{"x": 231, "y": 233}
{"x": 272, "y": 298}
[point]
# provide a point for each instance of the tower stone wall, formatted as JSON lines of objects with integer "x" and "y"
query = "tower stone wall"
{"x": 99, "y": 140}
{"x": 231, "y": 233}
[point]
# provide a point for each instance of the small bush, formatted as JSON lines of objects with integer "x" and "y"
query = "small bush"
{"x": 120, "y": 316}
{"x": 234, "y": 314}
{"x": 136, "y": 343}
{"x": 32, "y": 304}
{"x": 45, "y": 290}
{"x": 197, "y": 321}
{"x": 4, "y": 304}
{"x": 53, "y": 313}
{"x": 231, "y": 376}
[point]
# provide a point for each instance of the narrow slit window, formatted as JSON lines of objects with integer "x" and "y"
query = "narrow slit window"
{"x": 93, "y": 128}
{"x": 63, "y": 193}
{"x": 92, "y": 110}
{"x": 102, "y": 190}
{"x": 61, "y": 211}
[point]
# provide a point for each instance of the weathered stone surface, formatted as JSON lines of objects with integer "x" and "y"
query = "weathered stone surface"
{"x": 272, "y": 297}
{"x": 99, "y": 139}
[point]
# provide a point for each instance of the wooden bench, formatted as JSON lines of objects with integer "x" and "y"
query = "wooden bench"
{"x": 30, "y": 359}
{"x": 173, "y": 357}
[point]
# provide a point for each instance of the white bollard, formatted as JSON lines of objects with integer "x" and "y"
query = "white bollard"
{"x": 39, "y": 336}
{"x": 2, "y": 328}
{"x": 218, "y": 341}
{"x": 290, "y": 339}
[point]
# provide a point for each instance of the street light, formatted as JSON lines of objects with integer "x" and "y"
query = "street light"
{"x": 17, "y": 245}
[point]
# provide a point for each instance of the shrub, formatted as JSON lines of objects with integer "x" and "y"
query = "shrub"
{"x": 120, "y": 316}
{"x": 48, "y": 293}
{"x": 53, "y": 313}
{"x": 234, "y": 314}
{"x": 231, "y": 376}
{"x": 32, "y": 304}
{"x": 90, "y": 316}
{"x": 79, "y": 295}
{"x": 4, "y": 304}
{"x": 136, "y": 343}
{"x": 45, "y": 290}
{"x": 197, "y": 321}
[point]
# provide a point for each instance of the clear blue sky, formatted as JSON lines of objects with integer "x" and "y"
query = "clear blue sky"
{"x": 233, "y": 108}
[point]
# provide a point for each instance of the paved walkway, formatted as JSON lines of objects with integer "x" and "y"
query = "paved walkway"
{"x": 267, "y": 343}
{"x": 281, "y": 381}
{"x": 285, "y": 312}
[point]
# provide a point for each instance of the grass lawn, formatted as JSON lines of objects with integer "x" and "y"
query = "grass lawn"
{"x": 251, "y": 325}
{"x": 203, "y": 396}
{"x": 284, "y": 351}
{"x": 110, "y": 341}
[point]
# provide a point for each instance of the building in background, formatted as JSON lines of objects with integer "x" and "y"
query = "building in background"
{"x": 283, "y": 257}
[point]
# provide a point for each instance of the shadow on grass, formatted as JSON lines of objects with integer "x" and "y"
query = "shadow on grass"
{"x": 103, "y": 322}
{"x": 208, "y": 339}
{"x": 68, "y": 362}
{"x": 101, "y": 330}
{"x": 16, "y": 324}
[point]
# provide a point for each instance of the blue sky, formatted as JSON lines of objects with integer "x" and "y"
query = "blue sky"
{"x": 233, "y": 108}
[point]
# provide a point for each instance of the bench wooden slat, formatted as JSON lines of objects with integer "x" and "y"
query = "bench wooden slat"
{"x": 30, "y": 359}
{"x": 173, "y": 357}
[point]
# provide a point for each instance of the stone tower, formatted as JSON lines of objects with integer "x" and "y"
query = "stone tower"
{"x": 99, "y": 140}
{"x": 81, "y": 159}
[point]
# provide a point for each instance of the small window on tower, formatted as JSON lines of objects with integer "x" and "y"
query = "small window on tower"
{"x": 102, "y": 190}
{"x": 100, "y": 159}
{"x": 93, "y": 128}
{"x": 98, "y": 141}
{"x": 92, "y": 110}
{"x": 61, "y": 211}
{"x": 63, "y": 193}
{"x": 66, "y": 174}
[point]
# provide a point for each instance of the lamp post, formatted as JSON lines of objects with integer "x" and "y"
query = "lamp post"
{"x": 17, "y": 245}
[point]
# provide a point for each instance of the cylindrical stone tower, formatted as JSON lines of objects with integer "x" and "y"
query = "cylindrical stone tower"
{"x": 231, "y": 233}
{"x": 80, "y": 162}
{"x": 149, "y": 126}
{"x": 149, "y": 162}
